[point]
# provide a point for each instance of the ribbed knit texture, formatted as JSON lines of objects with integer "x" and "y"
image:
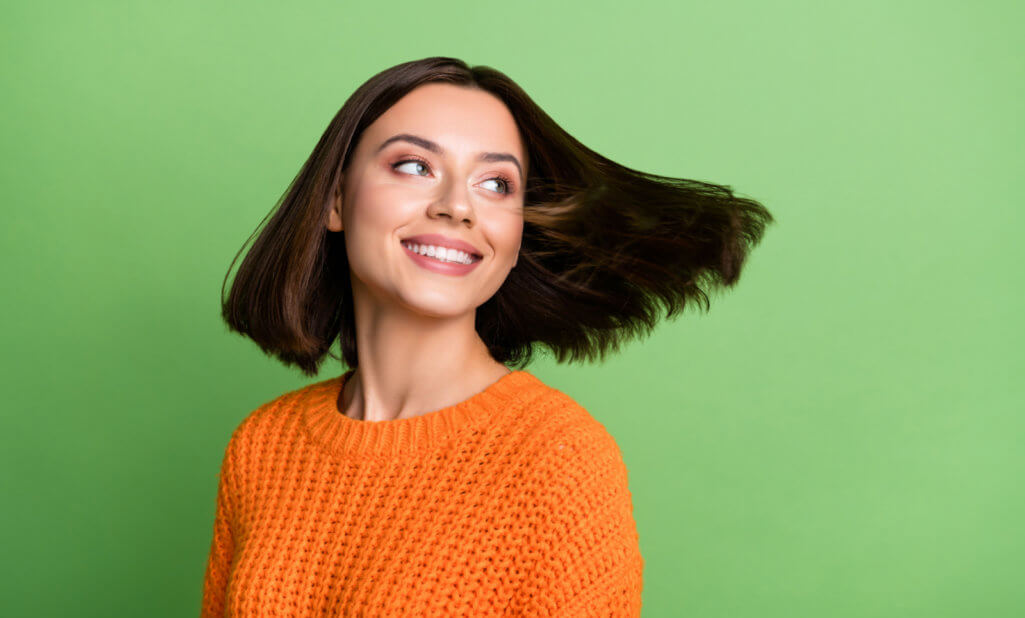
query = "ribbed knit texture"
{"x": 514, "y": 502}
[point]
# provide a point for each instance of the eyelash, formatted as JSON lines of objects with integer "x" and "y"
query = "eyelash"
{"x": 509, "y": 186}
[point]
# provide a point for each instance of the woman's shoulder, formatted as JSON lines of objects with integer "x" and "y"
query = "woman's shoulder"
{"x": 552, "y": 404}
{"x": 565, "y": 425}
{"x": 576, "y": 462}
{"x": 281, "y": 409}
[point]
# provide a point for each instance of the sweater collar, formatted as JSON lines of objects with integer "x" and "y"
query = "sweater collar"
{"x": 328, "y": 426}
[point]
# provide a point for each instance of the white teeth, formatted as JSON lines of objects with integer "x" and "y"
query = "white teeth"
{"x": 441, "y": 253}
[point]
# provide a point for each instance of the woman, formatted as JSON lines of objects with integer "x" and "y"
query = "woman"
{"x": 442, "y": 227}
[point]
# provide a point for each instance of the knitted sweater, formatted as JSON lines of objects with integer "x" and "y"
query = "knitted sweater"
{"x": 513, "y": 502}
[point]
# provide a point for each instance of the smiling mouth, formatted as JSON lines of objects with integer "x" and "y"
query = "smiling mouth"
{"x": 442, "y": 254}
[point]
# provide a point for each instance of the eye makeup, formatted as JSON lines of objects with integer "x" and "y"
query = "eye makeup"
{"x": 510, "y": 186}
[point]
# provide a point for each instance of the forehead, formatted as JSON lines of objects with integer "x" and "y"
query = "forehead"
{"x": 460, "y": 119}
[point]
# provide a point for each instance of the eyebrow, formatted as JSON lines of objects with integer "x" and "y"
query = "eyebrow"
{"x": 488, "y": 157}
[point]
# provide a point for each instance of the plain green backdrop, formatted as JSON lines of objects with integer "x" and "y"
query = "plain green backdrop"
{"x": 841, "y": 435}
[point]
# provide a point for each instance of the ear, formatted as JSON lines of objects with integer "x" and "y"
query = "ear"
{"x": 334, "y": 215}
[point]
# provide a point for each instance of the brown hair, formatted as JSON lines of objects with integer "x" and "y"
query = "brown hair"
{"x": 604, "y": 246}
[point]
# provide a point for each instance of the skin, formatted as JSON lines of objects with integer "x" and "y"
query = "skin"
{"x": 418, "y": 348}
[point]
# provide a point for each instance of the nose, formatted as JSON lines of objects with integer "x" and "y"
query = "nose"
{"x": 455, "y": 204}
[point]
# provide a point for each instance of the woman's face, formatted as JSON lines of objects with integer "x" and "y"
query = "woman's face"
{"x": 447, "y": 161}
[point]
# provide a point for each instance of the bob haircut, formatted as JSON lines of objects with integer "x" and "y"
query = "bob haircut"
{"x": 604, "y": 247}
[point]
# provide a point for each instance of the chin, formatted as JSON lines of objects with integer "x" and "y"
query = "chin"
{"x": 437, "y": 305}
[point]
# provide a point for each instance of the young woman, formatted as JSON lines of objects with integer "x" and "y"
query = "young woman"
{"x": 443, "y": 226}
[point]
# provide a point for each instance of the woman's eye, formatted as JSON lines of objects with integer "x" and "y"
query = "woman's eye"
{"x": 503, "y": 184}
{"x": 410, "y": 162}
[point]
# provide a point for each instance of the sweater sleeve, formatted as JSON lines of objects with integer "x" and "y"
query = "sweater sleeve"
{"x": 222, "y": 546}
{"x": 589, "y": 561}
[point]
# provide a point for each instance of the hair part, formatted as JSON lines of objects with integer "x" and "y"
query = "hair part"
{"x": 605, "y": 248}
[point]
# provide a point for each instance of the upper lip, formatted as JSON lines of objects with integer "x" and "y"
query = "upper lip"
{"x": 444, "y": 241}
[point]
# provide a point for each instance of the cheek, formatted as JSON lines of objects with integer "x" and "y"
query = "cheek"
{"x": 507, "y": 234}
{"x": 380, "y": 208}
{"x": 364, "y": 230}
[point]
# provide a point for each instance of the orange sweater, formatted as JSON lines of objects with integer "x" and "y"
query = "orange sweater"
{"x": 511, "y": 503}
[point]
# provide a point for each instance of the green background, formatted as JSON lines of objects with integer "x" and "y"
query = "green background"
{"x": 841, "y": 435}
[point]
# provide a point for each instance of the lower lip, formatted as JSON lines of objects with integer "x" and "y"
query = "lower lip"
{"x": 445, "y": 268}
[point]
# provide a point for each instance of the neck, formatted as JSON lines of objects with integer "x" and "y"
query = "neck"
{"x": 411, "y": 364}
